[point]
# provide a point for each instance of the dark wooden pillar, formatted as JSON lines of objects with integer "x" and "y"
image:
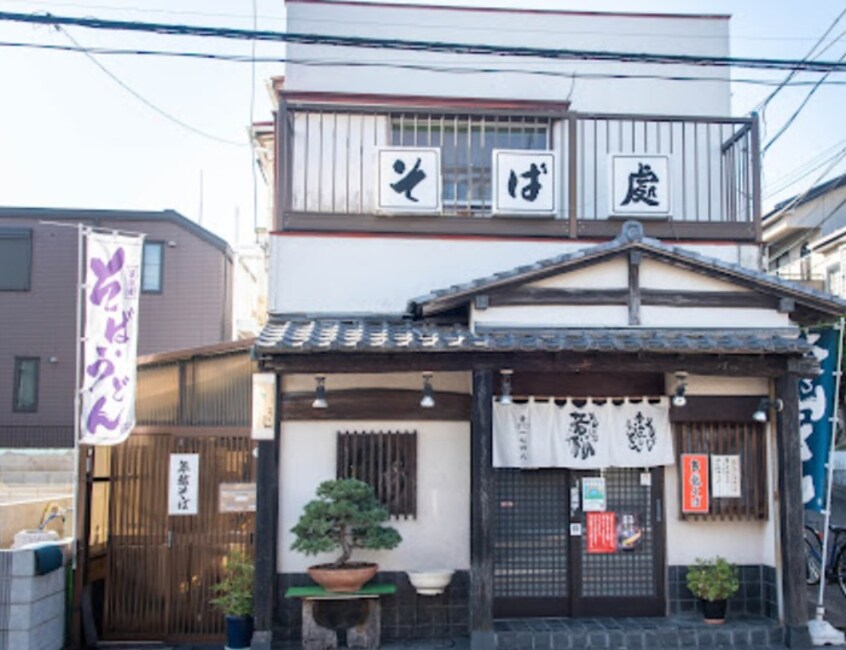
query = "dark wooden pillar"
{"x": 267, "y": 511}
{"x": 481, "y": 512}
{"x": 791, "y": 513}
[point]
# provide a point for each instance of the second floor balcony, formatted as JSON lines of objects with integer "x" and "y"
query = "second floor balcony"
{"x": 684, "y": 177}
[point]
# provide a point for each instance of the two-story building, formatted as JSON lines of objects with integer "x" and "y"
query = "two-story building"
{"x": 186, "y": 301}
{"x": 535, "y": 285}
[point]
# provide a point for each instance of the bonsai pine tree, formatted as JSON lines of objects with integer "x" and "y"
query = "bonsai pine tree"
{"x": 345, "y": 515}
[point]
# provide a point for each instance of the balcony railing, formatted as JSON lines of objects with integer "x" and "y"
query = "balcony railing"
{"x": 327, "y": 168}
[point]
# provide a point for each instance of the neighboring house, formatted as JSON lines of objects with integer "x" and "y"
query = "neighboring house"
{"x": 803, "y": 235}
{"x": 546, "y": 261}
{"x": 186, "y": 301}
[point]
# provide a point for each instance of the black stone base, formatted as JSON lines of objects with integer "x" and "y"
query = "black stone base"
{"x": 405, "y": 615}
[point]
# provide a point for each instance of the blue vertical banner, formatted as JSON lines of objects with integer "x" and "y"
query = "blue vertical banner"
{"x": 816, "y": 409}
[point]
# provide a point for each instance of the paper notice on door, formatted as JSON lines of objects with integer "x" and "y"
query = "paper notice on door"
{"x": 601, "y": 532}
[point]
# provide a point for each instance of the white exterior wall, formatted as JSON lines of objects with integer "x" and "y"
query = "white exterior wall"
{"x": 440, "y": 535}
{"x": 548, "y": 30}
{"x": 334, "y": 274}
{"x": 741, "y": 542}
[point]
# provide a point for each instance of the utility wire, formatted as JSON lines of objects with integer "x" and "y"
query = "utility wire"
{"x": 427, "y": 46}
{"x": 763, "y": 105}
{"x": 464, "y": 69}
{"x": 808, "y": 167}
{"x": 799, "y": 109}
{"x": 143, "y": 99}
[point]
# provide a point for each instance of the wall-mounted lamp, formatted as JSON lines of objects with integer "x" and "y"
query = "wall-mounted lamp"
{"x": 505, "y": 386}
{"x": 320, "y": 393}
{"x": 679, "y": 398}
{"x": 428, "y": 400}
{"x": 761, "y": 413}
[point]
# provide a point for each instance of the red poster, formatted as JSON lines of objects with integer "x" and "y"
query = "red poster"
{"x": 601, "y": 532}
{"x": 695, "y": 487}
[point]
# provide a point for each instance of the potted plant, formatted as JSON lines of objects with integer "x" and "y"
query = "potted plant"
{"x": 235, "y": 599}
{"x": 714, "y": 582}
{"x": 345, "y": 515}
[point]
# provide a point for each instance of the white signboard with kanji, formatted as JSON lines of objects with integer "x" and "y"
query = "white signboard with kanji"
{"x": 183, "y": 484}
{"x": 409, "y": 180}
{"x": 725, "y": 476}
{"x": 523, "y": 182}
{"x": 640, "y": 185}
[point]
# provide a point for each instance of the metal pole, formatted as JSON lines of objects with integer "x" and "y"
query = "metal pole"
{"x": 80, "y": 290}
{"x": 827, "y": 512}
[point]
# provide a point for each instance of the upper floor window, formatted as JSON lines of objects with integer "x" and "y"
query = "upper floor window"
{"x": 15, "y": 259}
{"x": 832, "y": 279}
{"x": 466, "y": 144}
{"x": 25, "y": 398}
{"x": 152, "y": 272}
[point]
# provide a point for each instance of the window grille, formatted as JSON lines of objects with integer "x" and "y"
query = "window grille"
{"x": 467, "y": 144}
{"x": 745, "y": 439}
{"x": 387, "y": 461}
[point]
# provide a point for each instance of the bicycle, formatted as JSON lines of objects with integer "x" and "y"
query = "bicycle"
{"x": 835, "y": 566}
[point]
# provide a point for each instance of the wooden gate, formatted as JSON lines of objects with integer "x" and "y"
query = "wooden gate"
{"x": 160, "y": 567}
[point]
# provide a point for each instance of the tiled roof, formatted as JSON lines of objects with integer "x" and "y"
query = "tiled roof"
{"x": 381, "y": 335}
{"x": 631, "y": 237}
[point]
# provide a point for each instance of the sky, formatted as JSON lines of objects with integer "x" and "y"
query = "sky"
{"x": 72, "y": 135}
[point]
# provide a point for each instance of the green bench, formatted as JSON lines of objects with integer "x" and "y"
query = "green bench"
{"x": 365, "y": 635}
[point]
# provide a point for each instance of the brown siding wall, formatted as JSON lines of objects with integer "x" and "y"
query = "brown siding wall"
{"x": 193, "y": 310}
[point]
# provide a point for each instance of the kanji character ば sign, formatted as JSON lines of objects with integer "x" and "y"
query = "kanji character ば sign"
{"x": 409, "y": 180}
{"x": 695, "y": 485}
{"x": 523, "y": 182}
{"x": 640, "y": 185}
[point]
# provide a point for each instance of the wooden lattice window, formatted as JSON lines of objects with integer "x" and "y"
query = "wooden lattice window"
{"x": 387, "y": 460}
{"x": 744, "y": 439}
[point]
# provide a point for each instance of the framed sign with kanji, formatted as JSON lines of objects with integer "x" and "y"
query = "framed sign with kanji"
{"x": 640, "y": 185}
{"x": 695, "y": 484}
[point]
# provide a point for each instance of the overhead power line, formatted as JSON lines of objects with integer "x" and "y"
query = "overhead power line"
{"x": 464, "y": 69}
{"x": 427, "y": 46}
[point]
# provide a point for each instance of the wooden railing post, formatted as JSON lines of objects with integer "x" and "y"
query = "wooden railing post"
{"x": 572, "y": 173}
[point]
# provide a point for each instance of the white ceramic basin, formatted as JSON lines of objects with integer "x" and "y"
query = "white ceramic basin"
{"x": 24, "y": 537}
{"x": 430, "y": 583}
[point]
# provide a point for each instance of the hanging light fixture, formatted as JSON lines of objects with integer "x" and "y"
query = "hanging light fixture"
{"x": 320, "y": 393}
{"x": 505, "y": 386}
{"x": 679, "y": 398}
{"x": 428, "y": 400}
{"x": 761, "y": 413}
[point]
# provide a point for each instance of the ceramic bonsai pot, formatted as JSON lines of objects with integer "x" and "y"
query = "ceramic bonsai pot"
{"x": 430, "y": 583}
{"x": 344, "y": 579}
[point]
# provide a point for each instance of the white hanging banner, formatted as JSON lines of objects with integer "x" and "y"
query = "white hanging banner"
{"x": 582, "y": 434}
{"x": 641, "y": 433}
{"x": 112, "y": 281}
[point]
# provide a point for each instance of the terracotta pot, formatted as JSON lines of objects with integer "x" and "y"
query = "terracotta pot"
{"x": 345, "y": 579}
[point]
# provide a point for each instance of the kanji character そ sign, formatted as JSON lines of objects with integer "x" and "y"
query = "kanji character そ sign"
{"x": 409, "y": 180}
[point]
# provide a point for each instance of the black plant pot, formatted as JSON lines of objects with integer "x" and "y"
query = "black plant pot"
{"x": 239, "y": 632}
{"x": 714, "y": 610}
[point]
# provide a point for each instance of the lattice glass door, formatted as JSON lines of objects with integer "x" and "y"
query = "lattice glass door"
{"x": 531, "y": 549}
{"x": 544, "y": 564}
{"x": 627, "y": 581}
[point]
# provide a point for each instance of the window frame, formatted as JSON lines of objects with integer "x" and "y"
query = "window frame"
{"x": 379, "y": 448}
{"x": 18, "y": 365}
{"x": 23, "y": 234}
{"x": 160, "y": 284}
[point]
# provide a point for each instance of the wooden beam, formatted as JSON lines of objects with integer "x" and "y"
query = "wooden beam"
{"x": 190, "y": 431}
{"x": 791, "y": 513}
{"x": 634, "y": 287}
{"x": 374, "y": 404}
{"x": 267, "y": 523}
{"x": 751, "y": 365}
{"x": 585, "y": 384}
{"x": 522, "y": 296}
{"x": 481, "y": 513}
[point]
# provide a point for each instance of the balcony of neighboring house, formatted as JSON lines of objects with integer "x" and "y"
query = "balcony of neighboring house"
{"x": 511, "y": 168}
